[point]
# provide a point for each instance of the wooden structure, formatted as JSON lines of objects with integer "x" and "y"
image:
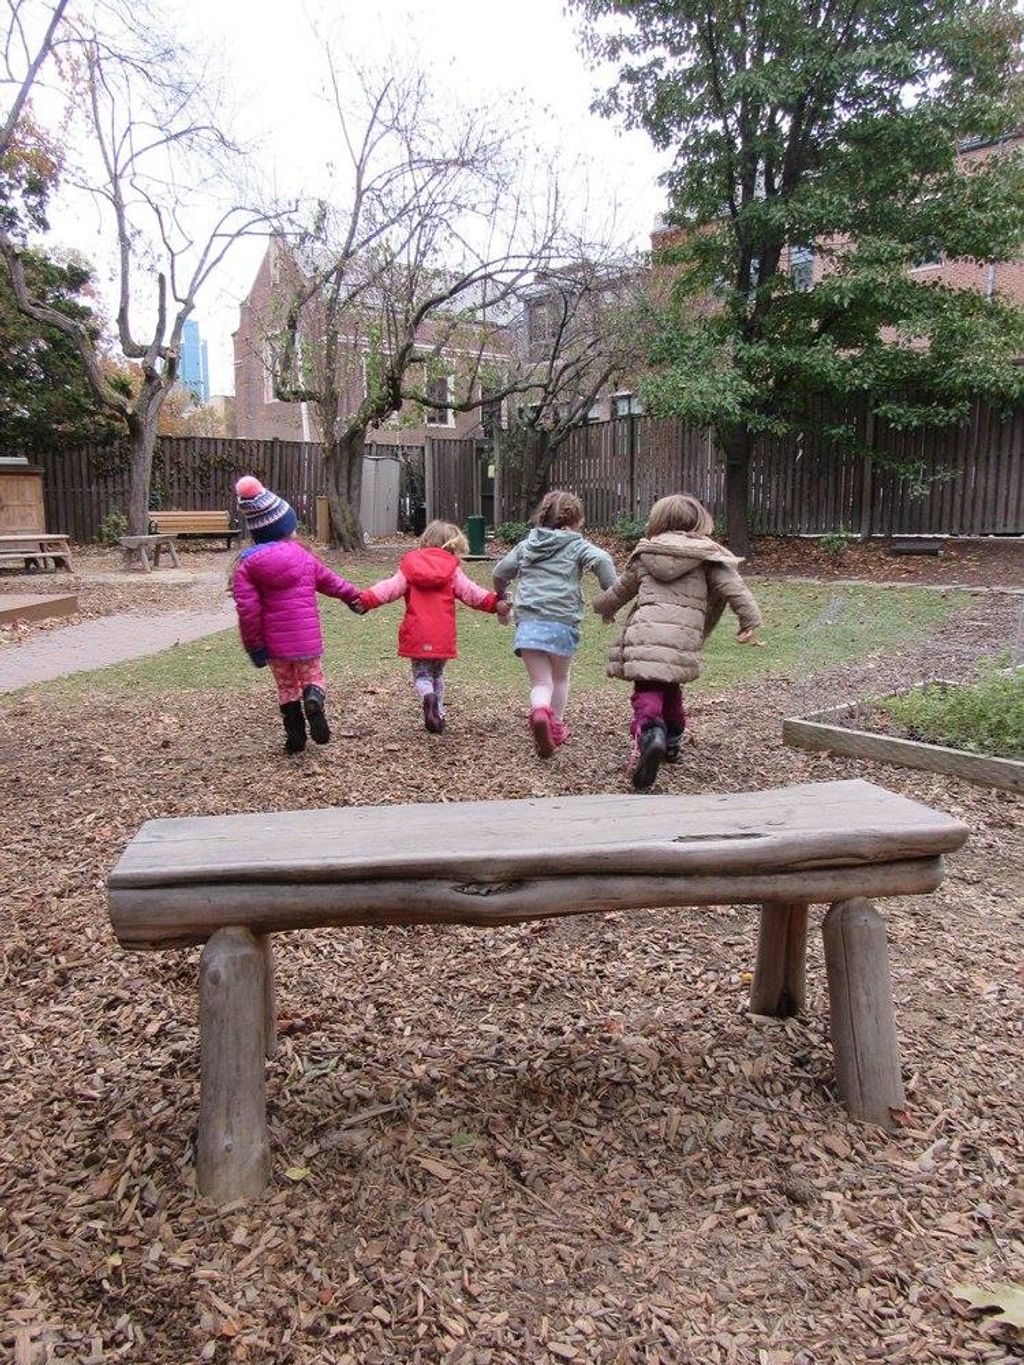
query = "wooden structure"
{"x": 21, "y": 498}
{"x": 36, "y": 550}
{"x": 233, "y": 881}
{"x": 137, "y": 550}
{"x": 195, "y": 526}
{"x": 835, "y": 730}
{"x": 25, "y": 607}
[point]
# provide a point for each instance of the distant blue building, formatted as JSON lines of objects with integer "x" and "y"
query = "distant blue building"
{"x": 193, "y": 370}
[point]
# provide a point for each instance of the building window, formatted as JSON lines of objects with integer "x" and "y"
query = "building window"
{"x": 593, "y": 413}
{"x": 626, "y": 405}
{"x": 440, "y": 391}
{"x": 801, "y": 267}
{"x": 930, "y": 257}
{"x": 268, "y": 374}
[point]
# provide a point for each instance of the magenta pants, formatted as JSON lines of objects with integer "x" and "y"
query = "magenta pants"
{"x": 662, "y": 702}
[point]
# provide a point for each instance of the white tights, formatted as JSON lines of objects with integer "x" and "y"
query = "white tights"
{"x": 549, "y": 679}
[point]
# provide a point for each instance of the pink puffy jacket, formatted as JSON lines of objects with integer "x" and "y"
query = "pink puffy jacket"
{"x": 275, "y": 587}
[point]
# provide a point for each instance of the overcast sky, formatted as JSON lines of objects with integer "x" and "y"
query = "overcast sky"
{"x": 522, "y": 58}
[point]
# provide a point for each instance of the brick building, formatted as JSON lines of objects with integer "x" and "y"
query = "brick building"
{"x": 259, "y": 415}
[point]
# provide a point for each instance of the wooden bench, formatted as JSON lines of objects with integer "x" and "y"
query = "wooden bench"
{"x": 233, "y": 881}
{"x": 136, "y": 550}
{"x": 195, "y": 525}
{"x": 36, "y": 550}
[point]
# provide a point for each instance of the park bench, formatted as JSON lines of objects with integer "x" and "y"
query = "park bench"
{"x": 233, "y": 881}
{"x": 137, "y": 550}
{"x": 36, "y": 550}
{"x": 195, "y": 525}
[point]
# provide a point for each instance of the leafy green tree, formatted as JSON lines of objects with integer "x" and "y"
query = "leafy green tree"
{"x": 834, "y": 126}
{"x": 46, "y": 400}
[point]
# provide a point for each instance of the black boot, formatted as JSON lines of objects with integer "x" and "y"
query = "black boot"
{"x": 651, "y": 752}
{"x": 294, "y": 727}
{"x": 673, "y": 744}
{"x": 313, "y": 700}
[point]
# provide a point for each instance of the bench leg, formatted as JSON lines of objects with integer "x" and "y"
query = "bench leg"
{"x": 864, "y": 1041}
{"x": 144, "y": 558}
{"x": 172, "y": 551}
{"x": 269, "y": 996}
{"x": 778, "y": 987}
{"x": 233, "y": 1150}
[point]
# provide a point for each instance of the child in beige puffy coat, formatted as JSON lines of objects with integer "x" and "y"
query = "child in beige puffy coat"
{"x": 682, "y": 580}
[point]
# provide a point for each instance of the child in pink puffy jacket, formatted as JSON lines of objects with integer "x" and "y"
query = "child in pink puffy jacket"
{"x": 275, "y": 584}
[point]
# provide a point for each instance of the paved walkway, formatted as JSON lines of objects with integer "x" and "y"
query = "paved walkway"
{"x": 105, "y": 640}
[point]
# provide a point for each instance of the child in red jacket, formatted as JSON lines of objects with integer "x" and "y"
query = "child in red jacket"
{"x": 430, "y": 579}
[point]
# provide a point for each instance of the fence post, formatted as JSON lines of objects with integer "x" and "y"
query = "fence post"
{"x": 632, "y": 419}
{"x": 428, "y": 477}
{"x": 867, "y": 482}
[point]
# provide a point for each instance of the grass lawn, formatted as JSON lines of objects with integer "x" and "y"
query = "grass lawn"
{"x": 807, "y": 627}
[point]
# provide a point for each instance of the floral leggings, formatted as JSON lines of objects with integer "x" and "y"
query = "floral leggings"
{"x": 428, "y": 677}
{"x": 293, "y": 675}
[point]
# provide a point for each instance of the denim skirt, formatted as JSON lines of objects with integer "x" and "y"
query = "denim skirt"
{"x": 551, "y": 637}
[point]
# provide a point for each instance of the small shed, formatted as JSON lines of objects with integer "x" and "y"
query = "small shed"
{"x": 21, "y": 496}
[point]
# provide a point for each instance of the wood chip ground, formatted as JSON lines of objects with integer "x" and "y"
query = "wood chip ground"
{"x": 565, "y": 1142}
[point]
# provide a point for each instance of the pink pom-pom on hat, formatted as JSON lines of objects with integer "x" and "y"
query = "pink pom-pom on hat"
{"x": 248, "y": 487}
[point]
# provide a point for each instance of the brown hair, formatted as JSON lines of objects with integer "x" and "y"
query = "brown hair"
{"x": 442, "y": 535}
{"x": 558, "y": 509}
{"x": 679, "y": 512}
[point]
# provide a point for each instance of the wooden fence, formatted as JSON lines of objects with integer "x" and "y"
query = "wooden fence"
{"x": 82, "y": 487}
{"x": 965, "y": 481}
{"x": 960, "y": 482}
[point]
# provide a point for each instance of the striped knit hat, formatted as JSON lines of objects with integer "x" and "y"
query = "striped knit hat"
{"x": 267, "y": 516}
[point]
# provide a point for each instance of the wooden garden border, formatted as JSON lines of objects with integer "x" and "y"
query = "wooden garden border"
{"x": 818, "y": 731}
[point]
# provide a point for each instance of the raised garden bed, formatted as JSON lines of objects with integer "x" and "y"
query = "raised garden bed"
{"x": 865, "y": 729}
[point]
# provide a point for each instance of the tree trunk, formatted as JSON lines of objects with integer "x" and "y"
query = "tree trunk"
{"x": 142, "y": 428}
{"x": 736, "y": 444}
{"x": 344, "y": 461}
{"x": 535, "y": 482}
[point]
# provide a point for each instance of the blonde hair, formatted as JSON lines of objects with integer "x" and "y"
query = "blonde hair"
{"x": 558, "y": 509}
{"x": 679, "y": 512}
{"x": 442, "y": 535}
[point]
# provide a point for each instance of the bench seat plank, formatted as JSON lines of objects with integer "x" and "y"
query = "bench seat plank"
{"x": 816, "y": 825}
{"x": 179, "y": 916}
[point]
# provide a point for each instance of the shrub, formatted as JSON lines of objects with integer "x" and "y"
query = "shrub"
{"x": 512, "y": 532}
{"x": 985, "y": 717}
{"x": 836, "y": 543}
{"x": 113, "y": 526}
{"x": 628, "y": 529}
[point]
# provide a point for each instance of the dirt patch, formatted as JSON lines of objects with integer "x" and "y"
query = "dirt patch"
{"x": 566, "y": 1142}
{"x": 989, "y": 563}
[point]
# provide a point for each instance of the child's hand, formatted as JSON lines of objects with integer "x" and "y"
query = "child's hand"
{"x": 749, "y": 637}
{"x": 357, "y": 607}
{"x": 260, "y": 657}
{"x": 503, "y": 610}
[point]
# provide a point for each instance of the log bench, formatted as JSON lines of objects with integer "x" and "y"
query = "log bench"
{"x": 137, "y": 550}
{"x": 233, "y": 881}
{"x": 195, "y": 525}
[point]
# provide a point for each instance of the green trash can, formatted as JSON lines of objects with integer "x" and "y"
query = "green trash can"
{"x": 476, "y": 534}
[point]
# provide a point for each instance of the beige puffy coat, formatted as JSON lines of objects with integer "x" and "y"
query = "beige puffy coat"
{"x": 681, "y": 584}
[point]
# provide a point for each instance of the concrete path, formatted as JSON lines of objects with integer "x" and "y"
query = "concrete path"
{"x": 105, "y": 640}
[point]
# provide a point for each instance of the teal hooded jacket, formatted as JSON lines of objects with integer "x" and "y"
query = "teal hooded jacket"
{"x": 549, "y": 565}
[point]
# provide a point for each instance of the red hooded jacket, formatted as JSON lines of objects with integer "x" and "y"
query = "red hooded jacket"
{"x": 430, "y": 580}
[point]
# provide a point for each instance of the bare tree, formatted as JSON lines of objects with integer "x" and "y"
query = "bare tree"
{"x": 31, "y": 34}
{"x": 423, "y": 261}
{"x": 582, "y": 335}
{"x": 153, "y": 161}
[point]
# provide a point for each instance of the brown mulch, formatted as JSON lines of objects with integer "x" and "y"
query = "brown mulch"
{"x": 996, "y": 562}
{"x": 566, "y": 1142}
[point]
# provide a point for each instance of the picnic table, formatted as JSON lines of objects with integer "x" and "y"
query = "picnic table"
{"x": 232, "y": 881}
{"x": 35, "y": 549}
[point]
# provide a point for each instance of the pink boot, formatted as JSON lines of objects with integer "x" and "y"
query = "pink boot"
{"x": 559, "y": 733}
{"x": 541, "y": 727}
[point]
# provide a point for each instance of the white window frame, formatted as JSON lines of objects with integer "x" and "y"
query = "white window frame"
{"x": 634, "y": 408}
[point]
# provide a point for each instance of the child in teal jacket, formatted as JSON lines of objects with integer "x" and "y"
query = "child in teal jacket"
{"x": 549, "y": 564}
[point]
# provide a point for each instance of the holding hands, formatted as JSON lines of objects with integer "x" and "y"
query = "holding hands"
{"x": 749, "y": 637}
